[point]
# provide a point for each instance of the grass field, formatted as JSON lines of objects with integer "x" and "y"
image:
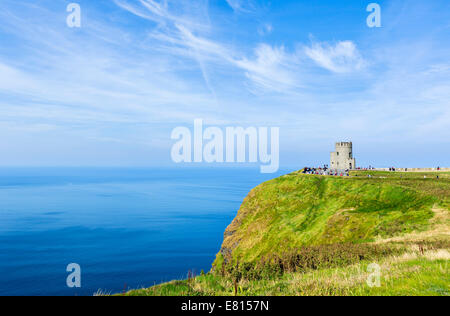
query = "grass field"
{"x": 315, "y": 235}
{"x": 409, "y": 274}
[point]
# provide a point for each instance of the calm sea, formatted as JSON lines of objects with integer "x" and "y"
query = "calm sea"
{"x": 126, "y": 228}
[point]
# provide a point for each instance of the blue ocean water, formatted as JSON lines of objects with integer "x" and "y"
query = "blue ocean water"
{"x": 126, "y": 228}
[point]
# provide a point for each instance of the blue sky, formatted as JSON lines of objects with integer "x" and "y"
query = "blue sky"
{"x": 110, "y": 93}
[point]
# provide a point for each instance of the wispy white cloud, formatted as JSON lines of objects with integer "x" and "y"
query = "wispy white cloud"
{"x": 271, "y": 69}
{"x": 342, "y": 57}
{"x": 91, "y": 79}
{"x": 167, "y": 13}
{"x": 134, "y": 10}
{"x": 242, "y": 5}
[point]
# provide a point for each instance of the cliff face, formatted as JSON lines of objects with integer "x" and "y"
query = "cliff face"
{"x": 298, "y": 210}
{"x": 305, "y": 235}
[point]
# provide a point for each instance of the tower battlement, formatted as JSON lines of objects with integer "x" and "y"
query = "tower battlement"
{"x": 344, "y": 144}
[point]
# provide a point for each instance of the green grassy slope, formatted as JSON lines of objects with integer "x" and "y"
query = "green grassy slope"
{"x": 297, "y": 210}
{"x": 419, "y": 275}
{"x": 315, "y": 235}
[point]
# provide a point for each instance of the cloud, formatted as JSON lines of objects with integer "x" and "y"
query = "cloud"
{"x": 99, "y": 73}
{"x": 241, "y": 5}
{"x": 268, "y": 70}
{"x": 134, "y": 10}
{"x": 343, "y": 57}
{"x": 167, "y": 13}
{"x": 271, "y": 69}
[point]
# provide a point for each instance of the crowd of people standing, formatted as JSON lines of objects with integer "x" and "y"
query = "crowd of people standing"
{"x": 326, "y": 171}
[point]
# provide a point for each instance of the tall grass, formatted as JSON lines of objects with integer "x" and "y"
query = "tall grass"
{"x": 320, "y": 257}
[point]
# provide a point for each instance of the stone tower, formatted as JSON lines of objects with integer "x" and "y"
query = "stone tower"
{"x": 342, "y": 158}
